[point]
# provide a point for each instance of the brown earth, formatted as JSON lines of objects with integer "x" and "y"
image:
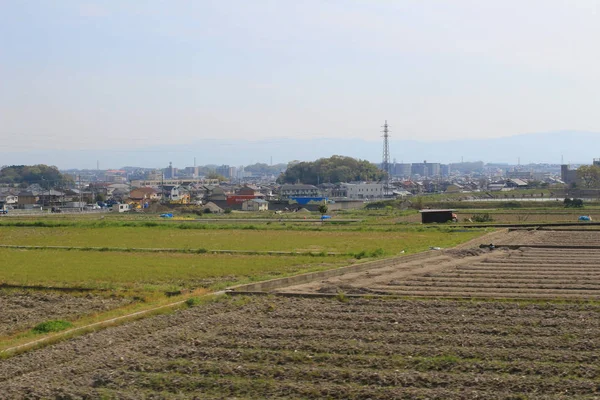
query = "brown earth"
{"x": 473, "y": 272}
{"x": 323, "y": 348}
{"x": 549, "y": 237}
{"x": 23, "y": 309}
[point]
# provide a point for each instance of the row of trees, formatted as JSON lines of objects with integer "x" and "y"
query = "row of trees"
{"x": 29, "y": 174}
{"x": 334, "y": 169}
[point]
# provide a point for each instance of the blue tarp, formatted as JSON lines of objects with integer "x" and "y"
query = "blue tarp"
{"x": 308, "y": 200}
{"x": 585, "y": 218}
{"x": 167, "y": 215}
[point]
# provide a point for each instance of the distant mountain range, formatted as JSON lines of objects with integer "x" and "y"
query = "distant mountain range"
{"x": 572, "y": 146}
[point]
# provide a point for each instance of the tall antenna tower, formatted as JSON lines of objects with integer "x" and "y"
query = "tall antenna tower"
{"x": 385, "y": 163}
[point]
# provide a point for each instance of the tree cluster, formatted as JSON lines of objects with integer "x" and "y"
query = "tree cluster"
{"x": 214, "y": 175}
{"x": 29, "y": 174}
{"x": 334, "y": 170}
{"x": 589, "y": 175}
{"x": 573, "y": 203}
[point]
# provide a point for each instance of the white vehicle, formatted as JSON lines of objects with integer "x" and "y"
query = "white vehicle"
{"x": 120, "y": 208}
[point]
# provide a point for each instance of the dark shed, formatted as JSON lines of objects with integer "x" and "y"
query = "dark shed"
{"x": 439, "y": 216}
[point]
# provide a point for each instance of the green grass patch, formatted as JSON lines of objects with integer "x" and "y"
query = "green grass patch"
{"x": 51, "y": 326}
{"x": 347, "y": 241}
{"x": 194, "y": 301}
{"x": 147, "y": 272}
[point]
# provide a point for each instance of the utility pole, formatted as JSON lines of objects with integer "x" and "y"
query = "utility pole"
{"x": 80, "y": 194}
{"x": 43, "y": 197}
{"x": 385, "y": 164}
{"x": 162, "y": 187}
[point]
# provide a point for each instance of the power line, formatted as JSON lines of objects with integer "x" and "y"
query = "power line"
{"x": 385, "y": 164}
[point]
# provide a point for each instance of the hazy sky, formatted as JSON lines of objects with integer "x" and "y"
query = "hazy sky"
{"x": 95, "y": 75}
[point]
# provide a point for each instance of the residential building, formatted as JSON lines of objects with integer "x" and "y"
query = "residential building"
{"x": 516, "y": 183}
{"x": 255, "y": 205}
{"x": 298, "y": 190}
{"x": 212, "y": 208}
{"x": 28, "y": 197}
{"x": 144, "y": 195}
{"x": 358, "y": 190}
{"x": 9, "y": 198}
{"x": 176, "y": 194}
{"x": 216, "y": 193}
{"x": 241, "y": 195}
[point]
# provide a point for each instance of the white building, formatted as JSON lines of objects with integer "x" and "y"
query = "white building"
{"x": 360, "y": 190}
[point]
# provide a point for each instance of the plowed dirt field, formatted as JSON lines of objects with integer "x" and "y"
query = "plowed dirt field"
{"x": 539, "y": 273}
{"x": 548, "y": 237}
{"x": 22, "y": 309}
{"x": 322, "y": 348}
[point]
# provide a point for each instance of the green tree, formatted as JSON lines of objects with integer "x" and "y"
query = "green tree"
{"x": 589, "y": 175}
{"x": 574, "y": 203}
{"x": 323, "y": 211}
{"x": 334, "y": 169}
{"x": 50, "y": 176}
{"x": 214, "y": 175}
